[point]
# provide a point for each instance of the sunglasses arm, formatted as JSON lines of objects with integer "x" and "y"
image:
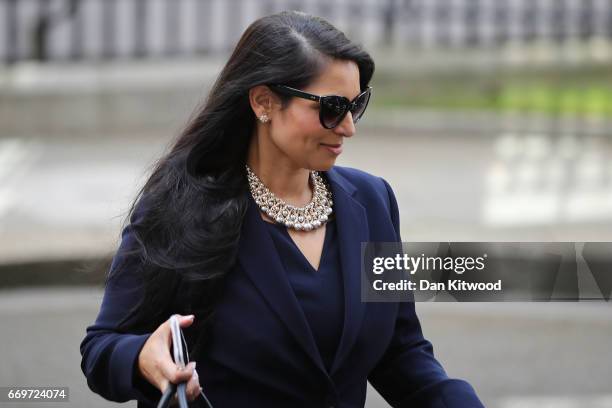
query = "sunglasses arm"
{"x": 287, "y": 90}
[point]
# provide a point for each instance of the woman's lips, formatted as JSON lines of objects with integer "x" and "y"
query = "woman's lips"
{"x": 334, "y": 148}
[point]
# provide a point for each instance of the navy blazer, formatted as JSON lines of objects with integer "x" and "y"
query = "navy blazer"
{"x": 262, "y": 352}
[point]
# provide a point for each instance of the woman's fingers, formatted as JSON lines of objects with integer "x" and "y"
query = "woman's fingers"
{"x": 169, "y": 368}
{"x": 192, "y": 389}
{"x": 184, "y": 321}
{"x": 175, "y": 375}
{"x": 193, "y": 386}
{"x": 170, "y": 371}
{"x": 155, "y": 362}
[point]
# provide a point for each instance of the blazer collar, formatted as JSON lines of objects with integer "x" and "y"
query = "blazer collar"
{"x": 342, "y": 182}
{"x": 261, "y": 262}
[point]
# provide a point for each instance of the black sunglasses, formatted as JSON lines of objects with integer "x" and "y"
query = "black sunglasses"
{"x": 332, "y": 108}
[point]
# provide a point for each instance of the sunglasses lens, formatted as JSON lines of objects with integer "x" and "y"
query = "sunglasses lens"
{"x": 360, "y": 106}
{"x": 332, "y": 110}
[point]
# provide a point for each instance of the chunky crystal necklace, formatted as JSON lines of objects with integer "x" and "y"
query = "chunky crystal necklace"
{"x": 311, "y": 216}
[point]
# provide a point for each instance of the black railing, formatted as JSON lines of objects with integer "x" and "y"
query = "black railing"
{"x": 108, "y": 29}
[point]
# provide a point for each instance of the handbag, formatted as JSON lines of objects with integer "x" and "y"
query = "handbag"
{"x": 180, "y": 355}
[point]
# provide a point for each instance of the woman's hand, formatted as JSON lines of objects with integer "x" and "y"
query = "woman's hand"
{"x": 155, "y": 363}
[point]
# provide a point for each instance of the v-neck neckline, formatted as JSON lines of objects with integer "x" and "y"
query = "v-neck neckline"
{"x": 295, "y": 245}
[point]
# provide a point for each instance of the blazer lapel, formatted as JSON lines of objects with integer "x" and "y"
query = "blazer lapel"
{"x": 261, "y": 262}
{"x": 352, "y": 226}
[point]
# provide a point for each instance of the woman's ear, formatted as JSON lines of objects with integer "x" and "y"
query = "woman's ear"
{"x": 261, "y": 99}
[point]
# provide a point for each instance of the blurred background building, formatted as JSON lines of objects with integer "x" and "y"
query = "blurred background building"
{"x": 492, "y": 120}
{"x": 116, "y": 29}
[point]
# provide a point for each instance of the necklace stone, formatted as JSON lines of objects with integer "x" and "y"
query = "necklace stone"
{"x": 311, "y": 216}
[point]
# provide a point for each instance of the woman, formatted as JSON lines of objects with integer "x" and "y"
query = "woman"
{"x": 224, "y": 230}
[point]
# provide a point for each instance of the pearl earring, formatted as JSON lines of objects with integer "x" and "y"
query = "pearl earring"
{"x": 264, "y": 118}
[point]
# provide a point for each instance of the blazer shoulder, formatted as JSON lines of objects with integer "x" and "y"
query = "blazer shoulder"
{"x": 365, "y": 183}
{"x": 371, "y": 189}
{"x": 360, "y": 178}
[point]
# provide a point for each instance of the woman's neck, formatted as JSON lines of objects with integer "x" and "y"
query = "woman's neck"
{"x": 287, "y": 181}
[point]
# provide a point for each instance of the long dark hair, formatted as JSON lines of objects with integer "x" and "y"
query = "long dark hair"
{"x": 186, "y": 219}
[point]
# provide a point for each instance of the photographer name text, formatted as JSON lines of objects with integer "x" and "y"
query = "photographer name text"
{"x": 424, "y": 284}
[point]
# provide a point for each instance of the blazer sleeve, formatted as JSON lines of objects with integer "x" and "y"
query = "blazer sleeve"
{"x": 408, "y": 374}
{"x": 109, "y": 356}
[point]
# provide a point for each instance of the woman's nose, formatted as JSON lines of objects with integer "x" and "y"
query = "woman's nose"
{"x": 346, "y": 127}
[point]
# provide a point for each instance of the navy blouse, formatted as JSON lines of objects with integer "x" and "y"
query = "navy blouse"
{"x": 319, "y": 292}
